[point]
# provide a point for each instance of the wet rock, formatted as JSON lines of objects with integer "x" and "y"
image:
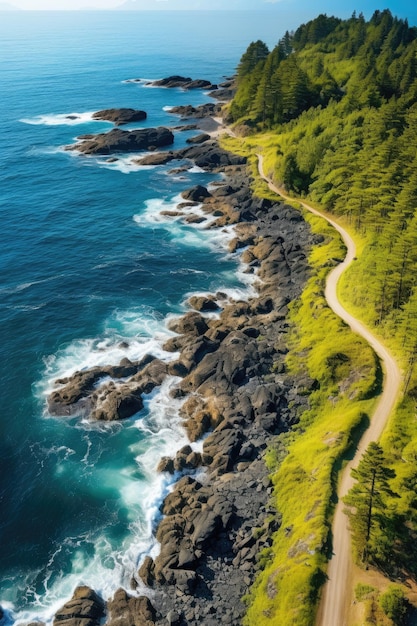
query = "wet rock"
{"x": 120, "y": 116}
{"x": 125, "y": 141}
{"x": 147, "y": 571}
{"x": 196, "y": 194}
{"x": 85, "y": 608}
{"x": 198, "y": 139}
{"x": 192, "y": 324}
{"x": 210, "y": 157}
{"x": 125, "y": 610}
{"x": 157, "y": 158}
{"x": 117, "y": 403}
{"x": 183, "y": 82}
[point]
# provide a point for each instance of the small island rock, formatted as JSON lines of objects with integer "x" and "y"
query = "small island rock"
{"x": 120, "y": 116}
{"x": 125, "y": 141}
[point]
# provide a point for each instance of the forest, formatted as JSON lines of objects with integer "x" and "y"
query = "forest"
{"x": 335, "y": 106}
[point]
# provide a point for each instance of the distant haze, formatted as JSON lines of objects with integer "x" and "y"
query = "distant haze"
{"x": 300, "y": 10}
{"x": 141, "y": 5}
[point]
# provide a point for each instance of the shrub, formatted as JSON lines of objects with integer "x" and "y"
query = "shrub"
{"x": 394, "y": 604}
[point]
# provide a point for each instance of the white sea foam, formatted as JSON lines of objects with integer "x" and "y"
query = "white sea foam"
{"x": 195, "y": 169}
{"x": 27, "y": 285}
{"x": 140, "y": 81}
{"x": 109, "y": 568}
{"x": 61, "y": 119}
{"x": 125, "y": 164}
{"x": 131, "y": 334}
{"x": 140, "y": 490}
{"x": 196, "y": 234}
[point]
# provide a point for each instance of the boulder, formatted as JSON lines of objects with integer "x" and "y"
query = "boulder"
{"x": 120, "y": 116}
{"x": 210, "y": 156}
{"x": 125, "y": 141}
{"x": 190, "y": 324}
{"x": 125, "y": 610}
{"x": 117, "y": 403}
{"x": 196, "y": 194}
{"x": 206, "y": 525}
{"x": 203, "y": 304}
{"x": 226, "y": 442}
{"x": 146, "y": 571}
{"x": 210, "y": 109}
{"x": 158, "y": 158}
{"x": 85, "y": 608}
{"x": 173, "y": 618}
{"x": 166, "y": 464}
{"x": 199, "y": 138}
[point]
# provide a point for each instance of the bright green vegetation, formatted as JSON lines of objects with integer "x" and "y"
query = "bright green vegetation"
{"x": 304, "y": 462}
{"x": 382, "y": 609}
{"x": 333, "y": 110}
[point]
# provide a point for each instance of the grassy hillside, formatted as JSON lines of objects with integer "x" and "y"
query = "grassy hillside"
{"x": 333, "y": 108}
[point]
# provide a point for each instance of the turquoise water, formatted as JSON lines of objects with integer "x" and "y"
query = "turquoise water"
{"x": 85, "y": 263}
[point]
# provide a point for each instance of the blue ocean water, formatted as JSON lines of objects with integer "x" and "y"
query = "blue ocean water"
{"x": 86, "y": 263}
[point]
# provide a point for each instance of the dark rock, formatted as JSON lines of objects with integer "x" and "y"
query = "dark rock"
{"x": 206, "y": 525}
{"x": 166, "y": 464}
{"x": 199, "y": 138}
{"x": 210, "y": 109}
{"x": 192, "y": 324}
{"x": 120, "y": 116}
{"x": 226, "y": 442}
{"x": 186, "y": 459}
{"x": 172, "y": 82}
{"x": 210, "y": 157}
{"x": 159, "y": 158}
{"x": 196, "y": 194}
{"x": 224, "y": 94}
{"x": 125, "y": 141}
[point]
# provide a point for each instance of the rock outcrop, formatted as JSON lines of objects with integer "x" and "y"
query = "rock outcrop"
{"x": 183, "y": 82}
{"x": 85, "y": 608}
{"x": 120, "y": 116}
{"x": 124, "y": 141}
{"x": 208, "y": 156}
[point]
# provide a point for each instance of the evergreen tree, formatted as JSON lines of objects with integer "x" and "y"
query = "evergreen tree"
{"x": 366, "y": 501}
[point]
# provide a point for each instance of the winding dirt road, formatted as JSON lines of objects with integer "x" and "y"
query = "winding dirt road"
{"x": 336, "y": 598}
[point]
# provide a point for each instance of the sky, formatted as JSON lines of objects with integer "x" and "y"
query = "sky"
{"x": 342, "y": 8}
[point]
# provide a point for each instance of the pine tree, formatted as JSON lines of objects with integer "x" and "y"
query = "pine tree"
{"x": 365, "y": 500}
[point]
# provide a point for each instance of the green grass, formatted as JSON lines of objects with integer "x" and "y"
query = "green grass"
{"x": 303, "y": 462}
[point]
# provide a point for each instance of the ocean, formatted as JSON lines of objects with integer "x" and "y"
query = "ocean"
{"x": 90, "y": 271}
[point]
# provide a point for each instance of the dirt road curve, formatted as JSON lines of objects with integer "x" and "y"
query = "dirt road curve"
{"x": 336, "y": 598}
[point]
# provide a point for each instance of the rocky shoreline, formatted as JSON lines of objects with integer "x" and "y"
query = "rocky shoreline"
{"x": 237, "y": 396}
